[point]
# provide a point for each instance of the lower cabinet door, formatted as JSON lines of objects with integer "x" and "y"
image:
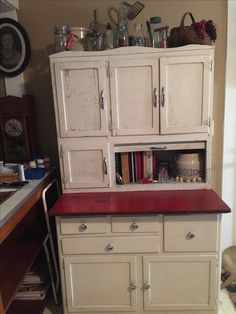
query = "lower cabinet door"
{"x": 104, "y": 283}
{"x": 179, "y": 283}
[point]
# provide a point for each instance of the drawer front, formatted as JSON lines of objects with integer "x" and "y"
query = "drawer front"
{"x": 135, "y": 224}
{"x": 110, "y": 245}
{"x": 191, "y": 233}
{"x": 85, "y": 225}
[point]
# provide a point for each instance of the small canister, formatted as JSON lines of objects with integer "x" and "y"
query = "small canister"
{"x": 40, "y": 163}
{"x": 62, "y": 34}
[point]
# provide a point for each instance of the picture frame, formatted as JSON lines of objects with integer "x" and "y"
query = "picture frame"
{"x": 14, "y": 48}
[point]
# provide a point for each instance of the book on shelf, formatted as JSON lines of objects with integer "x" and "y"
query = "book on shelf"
{"x": 132, "y": 167}
{"x": 32, "y": 291}
{"x": 138, "y": 156}
{"x": 37, "y": 274}
{"x": 125, "y": 167}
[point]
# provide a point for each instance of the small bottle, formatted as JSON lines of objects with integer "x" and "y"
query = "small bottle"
{"x": 62, "y": 34}
{"x": 123, "y": 37}
{"x": 109, "y": 40}
{"x": 95, "y": 26}
{"x": 138, "y": 37}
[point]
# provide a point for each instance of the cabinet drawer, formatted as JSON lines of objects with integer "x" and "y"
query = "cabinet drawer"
{"x": 190, "y": 233}
{"x": 135, "y": 224}
{"x": 84, "y": 225}
{"x": 102, "y": 245}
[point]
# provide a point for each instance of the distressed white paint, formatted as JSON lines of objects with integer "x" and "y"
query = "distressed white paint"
{"x": 229, "y": 157}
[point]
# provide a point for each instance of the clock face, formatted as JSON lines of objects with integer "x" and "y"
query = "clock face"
{"x": 13, "y": 127}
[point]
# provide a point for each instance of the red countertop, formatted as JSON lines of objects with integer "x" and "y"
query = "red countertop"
{"x": 148, "y": 202}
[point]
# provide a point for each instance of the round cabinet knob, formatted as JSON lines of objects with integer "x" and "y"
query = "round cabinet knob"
{"x": 147, "y": 285}
{"x": 83, "y": 227}
{"x": 109, "y": 247}
{"x": 190, "y": 235}
{"x": 134, "y": 226}
{"x": 133, "y": 286}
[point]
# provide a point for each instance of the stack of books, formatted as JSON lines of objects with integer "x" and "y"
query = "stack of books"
{"x": 136, "y": 167}
{"x": 35, "y": 284}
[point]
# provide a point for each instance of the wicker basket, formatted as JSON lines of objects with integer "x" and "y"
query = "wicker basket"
{"x": 187, "y": 35}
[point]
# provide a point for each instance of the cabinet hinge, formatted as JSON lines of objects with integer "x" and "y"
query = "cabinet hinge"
{"x": 207, "y": 122}
{"x": 63, "y": 264}
{"x": 209, "y": 65}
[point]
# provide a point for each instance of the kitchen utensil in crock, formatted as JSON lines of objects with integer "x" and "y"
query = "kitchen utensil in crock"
{"x": 119, "y": 16}
{"x": 136, "y": 8}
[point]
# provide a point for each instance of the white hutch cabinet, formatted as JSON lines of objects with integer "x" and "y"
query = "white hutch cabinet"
{"x": 128, "y": 100}
{"x": 120, "y": 102}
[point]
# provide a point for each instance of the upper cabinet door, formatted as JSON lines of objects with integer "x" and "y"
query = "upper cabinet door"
{"x": 185, "y": 98}
{"x": 134, "y": 96}
{"x": 84, "y": 163}
{"x": 82, "y": 98}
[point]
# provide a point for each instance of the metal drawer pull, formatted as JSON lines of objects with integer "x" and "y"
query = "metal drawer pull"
{"x": 163, "y": 97}
{"x": 105, "y": 166}
{"x": 158, "y": 147}
{"x": 134, "y": 226}
{"x": 83, "y": 227}
{"x": 109, "y": 247}
{"x": 133, "y": 286}
{"x": 155, "y": 97}
{"x": 102, "y": 99}
{"x": 147, "y": 285}
{"x": 190, "y": 235}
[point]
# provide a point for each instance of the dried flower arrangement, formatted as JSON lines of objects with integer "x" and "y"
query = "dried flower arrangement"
{"x": 206, "y": 27}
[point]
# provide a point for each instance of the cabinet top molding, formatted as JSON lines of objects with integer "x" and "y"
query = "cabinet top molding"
{"x": 131, "y": 50}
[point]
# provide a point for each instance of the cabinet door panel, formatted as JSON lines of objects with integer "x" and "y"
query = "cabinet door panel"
{"x": 82, "y": 98}
{"x": 185, "y": 94}
{"x": 85, "y": 163}
{"x": 180, "y": 282}
{"x": 134, "y": 105}
{"x": 100, "y": 284}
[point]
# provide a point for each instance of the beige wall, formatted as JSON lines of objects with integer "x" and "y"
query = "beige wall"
{"x": 39, "y": 17}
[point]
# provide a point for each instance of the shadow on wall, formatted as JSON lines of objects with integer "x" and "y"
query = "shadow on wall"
{"x": 38, "y": 83}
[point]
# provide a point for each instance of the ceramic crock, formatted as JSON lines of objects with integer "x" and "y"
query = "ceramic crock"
{"x": 188, "y": 166}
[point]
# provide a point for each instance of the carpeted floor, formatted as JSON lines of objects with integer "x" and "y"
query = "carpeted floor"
{"x": 231, "y": 288}
{"x": 232, "y": 293}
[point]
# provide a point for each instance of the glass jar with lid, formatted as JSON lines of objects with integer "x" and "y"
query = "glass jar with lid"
{"x": 62, "y": 34}
{"x": 138, "y": 38}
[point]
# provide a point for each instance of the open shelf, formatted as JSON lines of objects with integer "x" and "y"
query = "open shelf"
{"x": 135, "y": 165}
{"x": 19, "y": 251}
{"x": 27, "y": 306}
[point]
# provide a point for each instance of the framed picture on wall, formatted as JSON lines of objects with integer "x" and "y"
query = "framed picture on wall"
{"x": 14, "y": 48}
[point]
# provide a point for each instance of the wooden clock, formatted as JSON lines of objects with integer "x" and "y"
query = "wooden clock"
{"x": 18, "y": 141}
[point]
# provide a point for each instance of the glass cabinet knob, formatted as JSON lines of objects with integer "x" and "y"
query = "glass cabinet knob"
{"x": 134, "y": 226}
{"x": 83, "y": 227}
